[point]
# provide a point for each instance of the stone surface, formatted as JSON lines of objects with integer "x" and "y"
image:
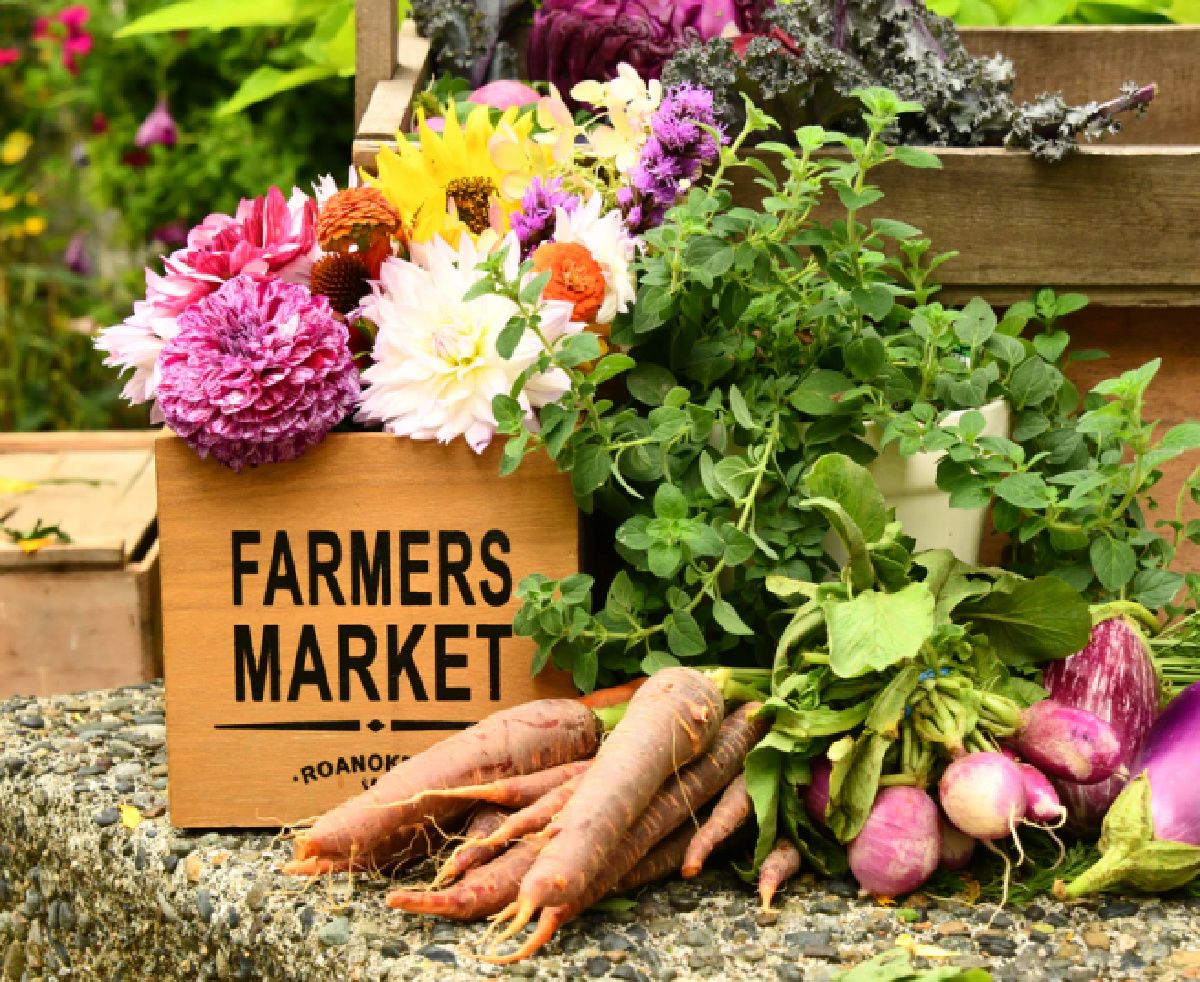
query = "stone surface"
{"x": 85, "y": 897}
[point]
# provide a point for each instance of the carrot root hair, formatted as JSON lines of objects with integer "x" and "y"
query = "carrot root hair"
{"x": 550, "y": 921}
{"x": 519, "y": 913}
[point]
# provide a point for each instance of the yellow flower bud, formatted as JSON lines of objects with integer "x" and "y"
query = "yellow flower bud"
{"x": 14, "y": 147}
{"x": 35, "y": 225}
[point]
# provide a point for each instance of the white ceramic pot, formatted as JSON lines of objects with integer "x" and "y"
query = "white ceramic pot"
{"x": 909, "y": 484}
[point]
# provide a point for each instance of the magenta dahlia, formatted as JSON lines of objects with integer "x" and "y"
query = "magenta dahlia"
{"x": 258, "y": 372}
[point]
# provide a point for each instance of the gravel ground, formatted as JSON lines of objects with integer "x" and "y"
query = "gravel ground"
{"x": 83, "y": 896}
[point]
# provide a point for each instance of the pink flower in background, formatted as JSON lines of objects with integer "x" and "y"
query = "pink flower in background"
{"x": 99, "y": 124}
{"x": 76, "y": 42}
{"x": 257, "y": 373}
{"x": 269, "y": 238}
{"x": 158, "y": 127}
{"x": 9, "y": 56}
{"x": 173, "y": 233}
{"x": 76, "y": 257}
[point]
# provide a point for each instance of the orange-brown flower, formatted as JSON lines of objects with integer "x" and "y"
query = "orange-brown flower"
{"x": 575, "y": 276}
{"x": 343, "y": 278}
{"x": 362, "y": 217}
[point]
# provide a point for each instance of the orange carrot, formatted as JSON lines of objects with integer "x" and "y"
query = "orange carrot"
{"x": 482, "y": 892}
{"x": 533, "y": 737}
{"x": 672, "y": 719}
{"x": 534, "y": 818}
{"x": 469, "y": 855}
{"x": 727, "y": 817}
{"x": 515, "y": 792}
{"x": 673, "y": 805}
{"x": 404, "y": 846}
{"x": 661, "y": 861}
{"x": 781, "y": 864}
{"x": 607, "y": 698}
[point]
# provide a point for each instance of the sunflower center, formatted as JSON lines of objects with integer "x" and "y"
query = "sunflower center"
{"x": 472, "y": 197}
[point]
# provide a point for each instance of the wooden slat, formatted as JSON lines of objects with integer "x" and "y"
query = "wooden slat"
{"x": 107, "y": 521}
{"x": 376, "y": 27}
{"x": 1088, "y": 63}
{"x": 98, "y": 441}
{"x": 390, "y": 107}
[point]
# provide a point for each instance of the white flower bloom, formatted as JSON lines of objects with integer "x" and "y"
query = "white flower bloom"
{"x": 326, "y": 187}
{"x": 611, "y": 245}
{"x": 436, "y": 366}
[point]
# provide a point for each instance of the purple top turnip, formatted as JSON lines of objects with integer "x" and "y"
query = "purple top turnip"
{"x": 957, "y": 847}
{"x": 1042, "y": 803}
{"x": 983, "y": 794}
{"x": 1069, "y": 743}
{"x": 900, "y": 842}
{"x": 816, "y": 795}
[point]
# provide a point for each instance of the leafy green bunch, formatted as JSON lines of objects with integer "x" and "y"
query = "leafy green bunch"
{"x": 760, "y": 341}
{"x": 901, "y": 663}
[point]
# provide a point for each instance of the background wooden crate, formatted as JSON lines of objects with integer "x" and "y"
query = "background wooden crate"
{"x": 83, "y": 615}
{"x": 277, "y": 759}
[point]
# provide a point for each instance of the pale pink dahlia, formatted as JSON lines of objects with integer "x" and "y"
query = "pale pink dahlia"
{"x": 269, "y": 237}
{"x": 256, "y": 373}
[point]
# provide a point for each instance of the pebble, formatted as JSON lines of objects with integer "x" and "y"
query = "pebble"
{"x": 1117, "y": 909}
{"x": 32, "y": 721}
{"x": 952, "y": 928}
{"x": 204, "y": 905}
{"x": 335, "y": 933}
{"x": 107, "y": 817}
{"x": 436, "y": 954}
{"x": 597, "y": 966}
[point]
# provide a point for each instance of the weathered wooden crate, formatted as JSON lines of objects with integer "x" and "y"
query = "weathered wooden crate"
{"x": 85, "y": 614}
{"x": 327, "y": 616}
{"x": 1119, "y": 221}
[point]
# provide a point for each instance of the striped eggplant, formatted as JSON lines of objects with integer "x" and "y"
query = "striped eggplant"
{"x": 1114, "y": 678}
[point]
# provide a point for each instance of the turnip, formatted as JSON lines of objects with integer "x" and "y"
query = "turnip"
{"x": 957, "y": 847}
{"x": 816, "y": 795}
{"x": 900, "y": 842}
{"x": 983, "y": 794}
{"x": 1069, "y": 743}
{"x": 1042, "y": 803}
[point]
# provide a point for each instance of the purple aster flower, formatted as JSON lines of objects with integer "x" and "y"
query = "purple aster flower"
{"x": 258, "y": 372}
{"x": 673, "y": 155}
{"x": 534, "y": 223}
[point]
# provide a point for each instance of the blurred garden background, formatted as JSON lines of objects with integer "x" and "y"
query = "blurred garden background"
{"x": 113, "y": 144}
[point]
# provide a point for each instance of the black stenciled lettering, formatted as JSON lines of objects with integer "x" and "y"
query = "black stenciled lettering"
{"x": 358, "y": 764}
{"x": 308, "y": 649}
{"x": 243, "y": 567}
{"x": 370, "y": 577}
{"x": 359, "y": 664}
{"x": 410, "y": 566}
{"x": 390, "y": 761}
{"x": 375, "y": 762}
{"x": 324, "y": 569}
{"x": 401, "y": 662}
{"x": 444, "y": 660}
{"x": 342, "y": 766}
{"x": 325, "y": 769}
{"x": 456, "y": 568}
{"x": 283, "y": 572}
{"x": 494, "y": 539}
{"x": 494, "y": 633}
{"x": 308, "y": 772}
{"x": 262, "y": 669}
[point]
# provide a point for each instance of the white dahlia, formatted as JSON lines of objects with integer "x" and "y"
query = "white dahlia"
{"x": 436, "y": 366}
{"x": 608, "y": 240}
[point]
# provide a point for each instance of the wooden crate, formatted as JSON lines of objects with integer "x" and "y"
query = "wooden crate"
{"x": 1119, "y": 221}
{"x": 83, "y": 615}
{"x": 383, "y": 664}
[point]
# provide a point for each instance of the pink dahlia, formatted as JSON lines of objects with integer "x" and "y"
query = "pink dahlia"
{"x": 268, "y": 238}
{"x": 257, "y": 373}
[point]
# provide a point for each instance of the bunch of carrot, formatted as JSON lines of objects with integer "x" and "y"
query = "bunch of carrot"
{"x": 557, "y": 823}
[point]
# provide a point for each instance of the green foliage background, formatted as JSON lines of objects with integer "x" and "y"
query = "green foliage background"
{"x": 82, "y": 182}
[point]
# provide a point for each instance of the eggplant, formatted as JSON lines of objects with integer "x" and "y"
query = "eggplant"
{"x": 1113, "y": 678}
{"x": 1151, "y": 837}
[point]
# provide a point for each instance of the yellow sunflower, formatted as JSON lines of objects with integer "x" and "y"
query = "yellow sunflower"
{"x": 466, "y": 179}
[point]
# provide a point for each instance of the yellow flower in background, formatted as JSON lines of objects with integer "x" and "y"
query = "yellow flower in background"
{"x": 450, "y": 183}
{"x": 35, "y": 225}
{"x": 8, "y": 202}
{"x": 32, "y": 199}
{"x": 14, "y": 148}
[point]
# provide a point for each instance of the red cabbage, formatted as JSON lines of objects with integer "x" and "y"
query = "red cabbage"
{"x": 1113, "y": 677}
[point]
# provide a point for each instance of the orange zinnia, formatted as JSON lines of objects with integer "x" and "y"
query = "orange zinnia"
{"x": 362, "y": 217}
{"x": 575, "y": 276}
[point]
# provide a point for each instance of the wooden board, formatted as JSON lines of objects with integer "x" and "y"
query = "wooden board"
{"x": 103, "y": 500}
{"x": 73, "y": 631}
{"x": 1087, "y": 63}
{"x": 247, "y": 752}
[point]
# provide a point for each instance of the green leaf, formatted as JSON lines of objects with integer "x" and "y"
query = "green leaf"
{"x": 946, "y": 578}
{"x": 214, "y": 15}
{"x": 656, "y": 661}
{"x": 894, "y": 229}
{"x": 711, "y": 254}
{"x": 856, "y": 200}
{"x": 764, "y": 770}
{"x": 579, "y": 348}
{"x": 267, "y": 81}
{"x": 729, "y": 619}
{"x": 510, "y": 336}
{"x": 975, "y": 324}
{"x": 837, "y": 477}
{"x": 649, "y": 383}
{"x": 1052, "y": 344}
{"x": 854, "y": 783}
{"x": 1131, "y": 384}
{"x": 591, "y": 469}
{"x": 1155, "y": 588}
{"x": 610, "y": 366}
{"x": 739, "y": 547}
{"x": 664, "y": 559}
{"x": 875, "y": 630}
{"x": 915, "y": 157}
{"x": 741, "y": 412}
{"x": 1040, "y": 620}
{"x": 815, "y": 395}
{"x": 735, "y": 475}
{"x": 684, "y": 636}
{"x": 670, "y": 503}
{"x": 1026, "y": 490}
{"x": 889, "y": 706}
{"x": 1114, "y": 561}
{"x": 585, "y": 670}
{"x": 875, "y": 300}
{"x": 862, "y": 570}
{"x": 865, "y": 356}
{"x": 1033, "y": 383}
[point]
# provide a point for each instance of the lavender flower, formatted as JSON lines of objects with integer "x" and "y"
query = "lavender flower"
{"x": 673, "y": 155}
{"x": 258, "y": 372}
{"x": 534, "y": 223}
